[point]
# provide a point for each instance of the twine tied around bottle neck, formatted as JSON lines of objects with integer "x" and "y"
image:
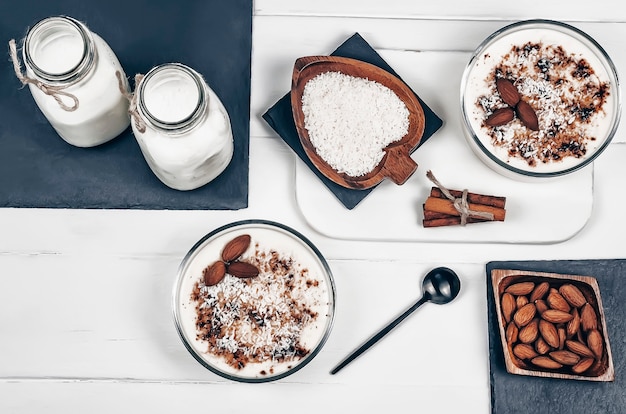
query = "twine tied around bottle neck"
{"x": 132, "y": 100}
{"x": 54, "y": 91}
{"x": 460, "y": 203}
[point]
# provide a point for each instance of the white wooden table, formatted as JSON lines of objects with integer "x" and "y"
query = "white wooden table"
{"x": 85, "y": 317}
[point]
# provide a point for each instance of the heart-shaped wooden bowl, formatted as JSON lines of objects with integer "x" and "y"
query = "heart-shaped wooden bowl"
{"x": 396, "y": 164}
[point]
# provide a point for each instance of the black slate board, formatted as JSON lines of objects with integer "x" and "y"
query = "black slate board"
{"x": 523, "y": 394}
{"x": 280, "y": 118}
{"x": 39, "y": 169}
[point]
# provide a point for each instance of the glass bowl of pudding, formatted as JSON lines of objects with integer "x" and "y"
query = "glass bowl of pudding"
{"x": 254, "y": 301}
{"x": 539, "y": 99}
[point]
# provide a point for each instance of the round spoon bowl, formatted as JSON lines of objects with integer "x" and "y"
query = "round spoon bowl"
{"x": 441, "y": 285}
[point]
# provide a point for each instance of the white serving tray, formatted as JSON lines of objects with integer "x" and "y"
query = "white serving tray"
{"x": 537, "y": 212}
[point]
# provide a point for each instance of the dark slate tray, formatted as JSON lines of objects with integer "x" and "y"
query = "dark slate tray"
{"x": 39, "y": 169}
{"x": 280, "y": 118}
{"x": 523, "y": 394}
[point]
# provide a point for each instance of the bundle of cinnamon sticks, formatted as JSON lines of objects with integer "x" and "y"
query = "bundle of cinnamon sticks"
{"x": 440, "y": 211}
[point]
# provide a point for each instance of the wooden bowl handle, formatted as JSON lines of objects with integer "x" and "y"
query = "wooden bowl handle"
{"x": 399, "y": 165}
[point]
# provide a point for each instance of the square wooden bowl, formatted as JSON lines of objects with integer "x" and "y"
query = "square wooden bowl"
{"x": 572, "y": 346}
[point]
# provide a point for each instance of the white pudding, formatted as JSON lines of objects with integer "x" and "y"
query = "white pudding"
{"x": 565, "y": 77}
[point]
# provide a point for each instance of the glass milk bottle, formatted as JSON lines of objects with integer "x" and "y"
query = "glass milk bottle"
{"x": 181, "y": 126}
{"x": 71, "y": 73}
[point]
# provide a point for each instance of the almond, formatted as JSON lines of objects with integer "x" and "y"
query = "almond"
{"x": 582, "y": 366}
{"x": 520, "y": 301}
{"x": 549, "y": 333}
{"x": 562, "y": 337}
{"x": 508, "y": 91}
{"x": 565, "y": 357}
{"x": 508, "y": 306}
{"x": 556, "y": 316}
{"x": 588, "y": 318}
{"x": 541, "y": 305}
{"x": 525, "y": 314}
{"x": 542, "y": 347}
{"x": 500, "y": 117}
{"x": 579, "y": 348}
{"x": 527, "y": 115}
{"x": 556, "y": 301}
{"x": 512, "y": 332}
{"x": 546, "y": 362}
{"x": 242, "y": 270}
{"x": 574, "y": 324}
{"x": 521, "y": 288}
{"x": 529, "y": 332}
{"x": 235, "y": 248}
{"x": 594, "y": 341}
{"x": 214, "y": 273}
{"x": 539, "y": 292}
{"x": 524, "y": 351}
{"x": 573, "y": 295}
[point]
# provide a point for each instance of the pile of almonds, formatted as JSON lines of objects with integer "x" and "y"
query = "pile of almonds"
{"x": 551, "y": 327}
{"x": 509, "y": 94}
{"x": 230, "y": 263}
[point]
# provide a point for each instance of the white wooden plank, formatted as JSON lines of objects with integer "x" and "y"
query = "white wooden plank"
{"x": 144, "y": 235}
{"x": 103, "y": 318}
{"x": 602, "y": 10}
{"x": 127, "y": 397}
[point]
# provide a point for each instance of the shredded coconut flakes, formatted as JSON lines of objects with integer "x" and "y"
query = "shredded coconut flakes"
{"x": 351, "y": 120}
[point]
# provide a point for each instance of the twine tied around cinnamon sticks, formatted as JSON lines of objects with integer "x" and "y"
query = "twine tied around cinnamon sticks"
{"x": 54, "y": 91}
{"x": 460, "y": 203}
{"x": 446, "y": 207}
{"x": 132, "y": 100}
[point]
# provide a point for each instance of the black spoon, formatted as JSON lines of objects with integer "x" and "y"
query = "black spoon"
{"x": 441, "y": 285}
